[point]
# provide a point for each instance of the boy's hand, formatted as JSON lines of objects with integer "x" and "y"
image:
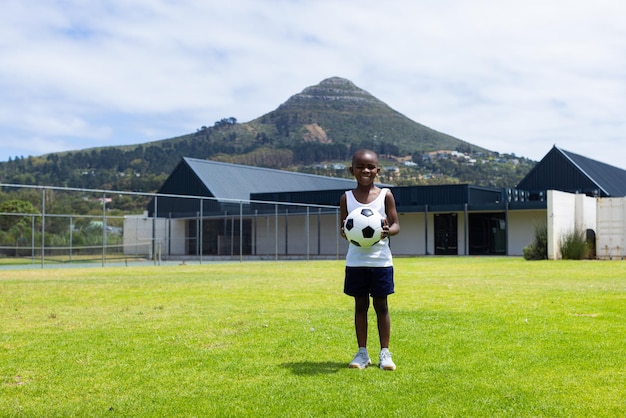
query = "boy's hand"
{"x": 385, "y": 232}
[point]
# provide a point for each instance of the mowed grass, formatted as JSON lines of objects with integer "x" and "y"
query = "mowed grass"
{"x": 470, "y": 336}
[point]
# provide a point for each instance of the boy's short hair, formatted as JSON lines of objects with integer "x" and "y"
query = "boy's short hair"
{"x": 363, "y": 151}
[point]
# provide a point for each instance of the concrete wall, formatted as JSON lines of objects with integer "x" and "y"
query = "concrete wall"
{"x": 177, "y": 245}
{"x": 611, "y": 232}
{"x": 138, "y": 236}
{"x": 521, "y": 229}
{"x": 410, "y": 241}
{"x": 568, "y": 213}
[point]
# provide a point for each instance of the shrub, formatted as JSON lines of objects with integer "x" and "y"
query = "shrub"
{"x": 538, "y": 249}
{"x": 574, "y": 246}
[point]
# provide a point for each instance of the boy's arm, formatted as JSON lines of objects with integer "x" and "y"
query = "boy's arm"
{"x": 343, "y": 211}
{"x": 392, "y": 226}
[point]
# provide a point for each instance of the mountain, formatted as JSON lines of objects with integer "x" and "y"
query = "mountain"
{"x": 338, "y": 112}
{"x": 315, "y": 130}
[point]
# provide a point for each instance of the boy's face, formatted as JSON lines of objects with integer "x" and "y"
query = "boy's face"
{"x": 365, "y": 168}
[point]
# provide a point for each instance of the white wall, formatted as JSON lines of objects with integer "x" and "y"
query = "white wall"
{"x": 137, "y": 235}
{"x": 521, "y": 228}
{"x": 611, "y": 232}
{"x": 410, "y": 241}
{"x": 567, "y": 213}
{"x": 177, "y": 244}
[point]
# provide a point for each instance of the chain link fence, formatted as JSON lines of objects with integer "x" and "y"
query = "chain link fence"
{"x": 45, "y": 225}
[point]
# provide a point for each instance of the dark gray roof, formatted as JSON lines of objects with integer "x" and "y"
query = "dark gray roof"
{"x": 233, "y": 181}
{"x": 569, "y": 172}
{"x": 611, "y": 179}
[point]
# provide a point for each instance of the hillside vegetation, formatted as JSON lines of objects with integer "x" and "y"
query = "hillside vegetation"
{"x": 315, "y": 131}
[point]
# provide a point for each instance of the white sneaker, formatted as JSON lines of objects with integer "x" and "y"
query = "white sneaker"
{"x": 361, "y": 360}
{"x": 386, "y": 363}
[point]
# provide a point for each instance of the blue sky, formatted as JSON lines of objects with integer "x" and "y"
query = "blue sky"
{"x": 510, "y": 76}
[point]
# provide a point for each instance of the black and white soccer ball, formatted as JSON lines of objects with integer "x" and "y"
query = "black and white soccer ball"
{"x": 363, "y": 226}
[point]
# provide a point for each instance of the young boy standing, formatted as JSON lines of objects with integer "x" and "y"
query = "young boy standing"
{"x": 369, "y": 270}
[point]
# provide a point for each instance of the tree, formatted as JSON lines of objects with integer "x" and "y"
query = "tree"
{"x": 18, "y": 207}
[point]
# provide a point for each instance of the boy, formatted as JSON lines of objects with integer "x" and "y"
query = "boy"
{"x": 369, "y": 270}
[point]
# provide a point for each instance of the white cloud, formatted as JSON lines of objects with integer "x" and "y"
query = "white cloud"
{"x": 510, "y": 76}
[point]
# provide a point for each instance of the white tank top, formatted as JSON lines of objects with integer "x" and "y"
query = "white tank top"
{"x": 379, "y": 254}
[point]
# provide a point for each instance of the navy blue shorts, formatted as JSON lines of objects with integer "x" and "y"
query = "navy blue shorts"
{"x": 366, "y": 281}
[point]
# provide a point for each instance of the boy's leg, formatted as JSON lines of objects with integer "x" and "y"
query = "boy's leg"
{"x": 384, "y": 331}
{"x": 362, "y": 358}
{"x": 383, "y": 319}
{"x": 361, "y": 306}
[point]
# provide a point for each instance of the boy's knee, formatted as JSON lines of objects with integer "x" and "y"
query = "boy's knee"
{"x": 380, "y": 305}
{"x": 362, "y": 304}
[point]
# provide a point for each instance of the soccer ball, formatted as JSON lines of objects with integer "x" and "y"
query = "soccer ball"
{"x": 363, "y": 227}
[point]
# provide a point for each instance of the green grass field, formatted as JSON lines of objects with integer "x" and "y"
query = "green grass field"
{"x": 470, "y": 336}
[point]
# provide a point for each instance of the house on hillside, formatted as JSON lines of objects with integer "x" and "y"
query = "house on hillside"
{"x": 208, "y": 208}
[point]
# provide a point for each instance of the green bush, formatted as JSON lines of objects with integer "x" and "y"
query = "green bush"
{"x": 538, "y": 249}
{"x": 574, "y": 246}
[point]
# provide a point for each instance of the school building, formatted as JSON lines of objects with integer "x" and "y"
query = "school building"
{"x": 213, "y": 209}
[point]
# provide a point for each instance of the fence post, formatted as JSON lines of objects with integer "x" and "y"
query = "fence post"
{"x": 240, "y": 231}
{"x": 465, "y": 230}
{"x": 43, "y": 224}
{"x": 201, "y": 229}
{"x": 426, "y": 229}
{"x": 286, "y": 232}
{"x": 307, "y": 232}
{"x": 104, "y": 228}
{"x": 319, "y": 231}
{"x": 337, "y": 234}
{"x": 71, "y": 235}
{"x": 255, "y": 236}
{"x": 154, "y": 220}
{"x": 276, "y": 231}
{"x": 32, "y": 239}
{"x": 169, "y": 235}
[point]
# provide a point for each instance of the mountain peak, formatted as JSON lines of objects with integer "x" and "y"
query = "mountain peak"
{"x": 333, "y": 90}
{"x": 336, "y": 81}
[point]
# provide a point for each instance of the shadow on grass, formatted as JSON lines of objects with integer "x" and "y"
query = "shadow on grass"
{"x": 312, "y": 368}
